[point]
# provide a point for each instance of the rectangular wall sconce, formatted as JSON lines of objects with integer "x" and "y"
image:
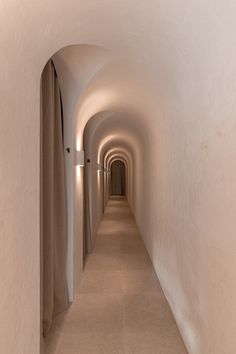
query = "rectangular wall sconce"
{"x": 79, "y": 158}
{"x": 99, "y": 167}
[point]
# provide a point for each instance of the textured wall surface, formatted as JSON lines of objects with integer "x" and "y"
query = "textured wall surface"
{"x": 170, "y": 64}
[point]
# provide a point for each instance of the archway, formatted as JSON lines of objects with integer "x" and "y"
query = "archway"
{"x": 186, "y": 96}
{"x": 118, "y": 186}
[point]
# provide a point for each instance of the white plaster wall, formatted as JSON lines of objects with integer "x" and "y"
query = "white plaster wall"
{"x": 173, "y": 66}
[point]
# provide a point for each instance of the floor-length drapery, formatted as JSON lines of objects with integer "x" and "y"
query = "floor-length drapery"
{"x": 118, "y": 178}
{"x": 54, "y": 213}
{"x": 87, "y": 210}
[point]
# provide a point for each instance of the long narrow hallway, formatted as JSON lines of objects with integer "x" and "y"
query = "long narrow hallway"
{"x": 120, "y": 307}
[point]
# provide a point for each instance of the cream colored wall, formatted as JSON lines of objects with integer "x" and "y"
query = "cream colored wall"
{"x": 172, "y": 65}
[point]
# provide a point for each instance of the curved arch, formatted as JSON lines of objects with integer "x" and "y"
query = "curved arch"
{"x": 118, "y": 178}
{"x": 128, "y": 176}
{"x": 185, "y": 95}
{"x": 125, "y": 153}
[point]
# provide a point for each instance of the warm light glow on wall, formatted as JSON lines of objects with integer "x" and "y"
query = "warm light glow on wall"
{"x": 89, "y": 105}
{"x": 98, "y": 179}
{"x": 79, "y": 158}
{"x": 78, "y": 142}
{"x": 105, "y": 141}
{"x": 78, "y": 174}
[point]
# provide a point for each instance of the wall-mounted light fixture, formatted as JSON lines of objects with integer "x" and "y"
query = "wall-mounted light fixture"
{"x": 79, "y": 158}
{"x": 99, "y": 167}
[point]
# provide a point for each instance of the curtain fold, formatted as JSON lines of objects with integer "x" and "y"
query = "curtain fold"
{"x": 87, "y": 209}
{"x": 54, "y": 212}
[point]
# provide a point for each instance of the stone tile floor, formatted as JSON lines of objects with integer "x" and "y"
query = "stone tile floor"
{"x": 120, "y": 308}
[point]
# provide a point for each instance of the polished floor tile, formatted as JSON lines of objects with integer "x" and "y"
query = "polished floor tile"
{"x": 120, "y": 308}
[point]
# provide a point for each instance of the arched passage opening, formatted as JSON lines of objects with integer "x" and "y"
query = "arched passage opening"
{"x": 106, "y": 137}
{"x": 62, "y": 180}
{"x": 124, "y": 155}
{"x": 118, "y": 178}
{"x": 190, "y": 204}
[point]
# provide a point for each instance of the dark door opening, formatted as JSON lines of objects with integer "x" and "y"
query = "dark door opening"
{"x": 118, "y": 178}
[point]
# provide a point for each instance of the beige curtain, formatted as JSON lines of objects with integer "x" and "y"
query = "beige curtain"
{"x": 54, "y": 223}
{"x": 87, "y": 209}
{"x": 118, "y": 178}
